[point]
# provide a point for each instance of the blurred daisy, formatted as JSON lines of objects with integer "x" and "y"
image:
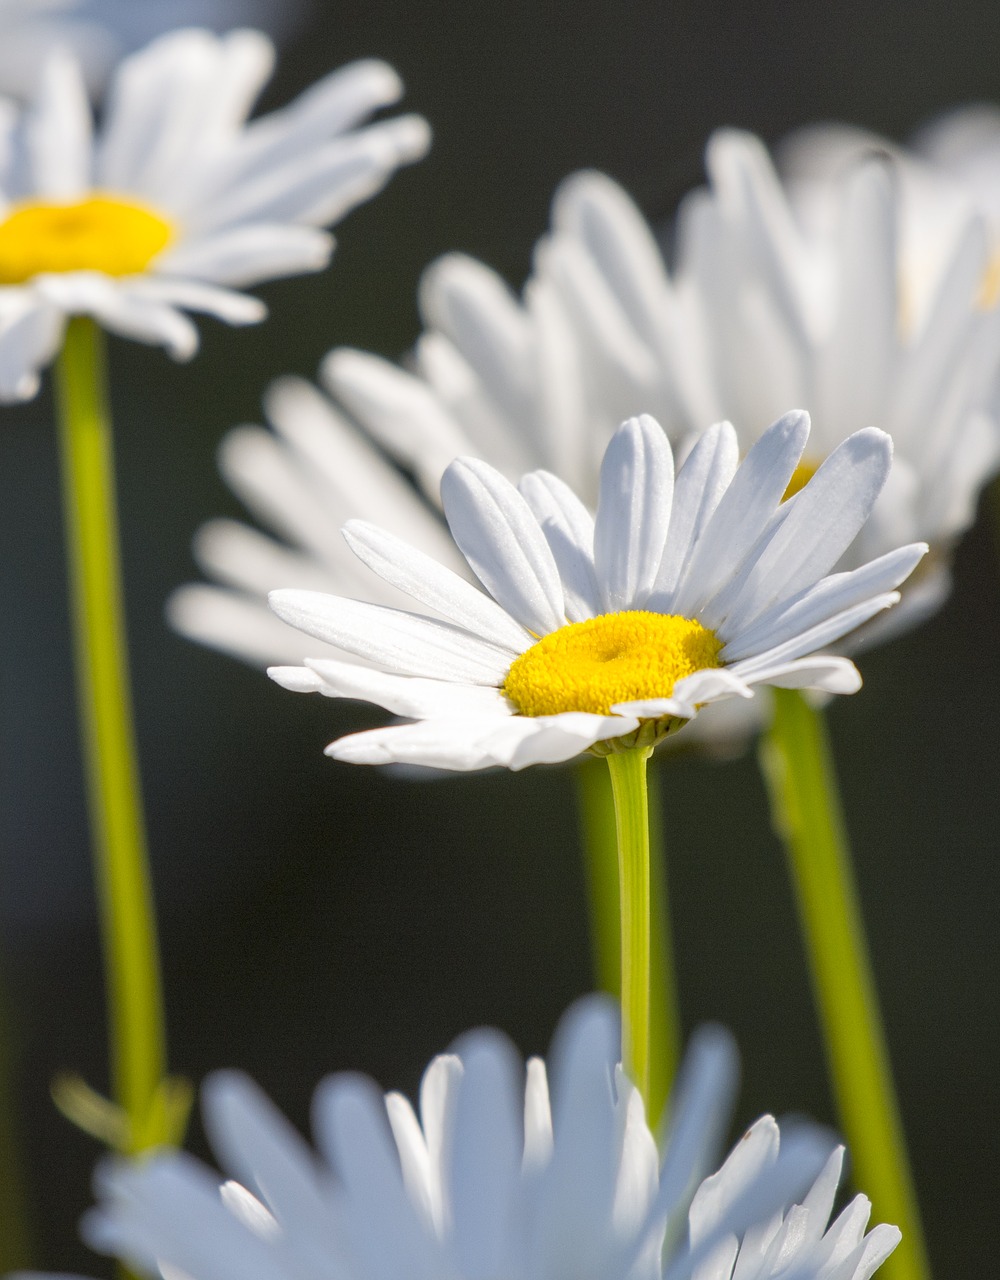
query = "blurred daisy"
{"x": 765, "y": 306}
{"x": 178, "y": 202}
{"x": 606, "y": 633}
{"x": 491, "y": 1180}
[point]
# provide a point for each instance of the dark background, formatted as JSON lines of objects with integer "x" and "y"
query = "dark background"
{"x": 316, "y": 917}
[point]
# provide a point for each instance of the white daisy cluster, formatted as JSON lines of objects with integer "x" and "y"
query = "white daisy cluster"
{"x": 764, "y": 307}
{"x": 178, "y": 202}
{"x": 606, "y": 630}
{"x": 493, "y": 1180}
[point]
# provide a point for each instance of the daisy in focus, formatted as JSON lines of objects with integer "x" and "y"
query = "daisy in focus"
{"x": 177, "y": 202}
{"x": 869, "y": 312}
{"x": 492, "y": 1179}
{"x": 607, "y": 633}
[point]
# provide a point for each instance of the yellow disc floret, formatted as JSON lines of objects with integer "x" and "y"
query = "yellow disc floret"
{"x": 618, "y": 657}
{"x": 101, "y": 233}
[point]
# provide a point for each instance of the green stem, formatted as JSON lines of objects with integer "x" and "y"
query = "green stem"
{"x": 664, "y": 1007}
{"x": 628, "y": 785}
{"x": 115, "y": 804}
{"x": 807, "y": 815}
{"x": 598, "y": 829}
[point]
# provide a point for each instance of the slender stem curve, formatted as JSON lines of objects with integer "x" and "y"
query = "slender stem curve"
{"x": 598, "y": 830}
{"x": 628, "y": 785}
{"x": 807, "y": 815}
{"x": 114, "y": 797}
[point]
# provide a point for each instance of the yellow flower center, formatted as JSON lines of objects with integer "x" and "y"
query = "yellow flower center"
{"x": 618, "y": 657}
{"x": 102, "y": 233}
{"x": 801, "y": 476}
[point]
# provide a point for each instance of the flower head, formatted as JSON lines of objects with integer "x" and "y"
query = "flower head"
{"x": 491, "y": 1180}
{"x": 177, "y": 202}
{"x": 607, "y": 632}
{"x": 761, "y": 307}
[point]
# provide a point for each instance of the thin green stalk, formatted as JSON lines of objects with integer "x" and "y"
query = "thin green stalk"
{"x": 598, "y": 829}
{"x": 628, "y": 785}
{"x": 805, "y": 805}
{"x": 114, "y": 796}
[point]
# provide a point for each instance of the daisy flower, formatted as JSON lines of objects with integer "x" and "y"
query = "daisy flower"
{"x": 762, "y": 307}
{"x": 491, "y": 1180}
{"x": 177, "y": 202}
{"x": 608, "y": 632}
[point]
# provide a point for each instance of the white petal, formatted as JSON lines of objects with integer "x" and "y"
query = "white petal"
{"x": 700, "y": 1110}
{"x": 859, "y": 362}
{"x": 29, "y": 340}
{"x": 351, "y": 1129}
{"x": 398, "y": 409}
{"x": 199, "y": 1235}
{"x": 411, "y": 696}
{"x": 707, "y": 472}
{"x": 59, "y": 131}
{"x": 829, "y": 596}
{"x": 193, "y": 295}
{"x": 434, "y": 586}
{"x": 236, "y": 624}
{"x": 118, "y": 309}
{"x": 351, "y": 475}
{"x": 297, "y": 679}
{"x": 743, "y": 512}
{"x": 477, "y": 312}
{"x": 576, "y": 1193}
{"x": 512, "y": 741}
{"x": 245, "y": 255}
{"x": 537, "y": 1119}
{"x": 831, "y": 674}
{"x": 817, "y": 637}
{"x": 414, "y": 1158}
{"x": 258, "y": 1145}
{"x": 688, "y": 694}
{"x": 569, "y": 530}
{"x": 823, "y": 522}
{"x": 633, "y": 513}
{"x": 496, "y": 532}
{"x": 440, "y": 744}
{"x": 485, "y": 1159}
{"x": 403, "y": 642}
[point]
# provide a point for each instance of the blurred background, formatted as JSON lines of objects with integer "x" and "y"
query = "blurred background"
{"x": 318, "y": 917}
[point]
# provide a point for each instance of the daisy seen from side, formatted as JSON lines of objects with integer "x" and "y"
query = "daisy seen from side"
{"x": 177, "y": 202}
{"x": 608, "y": 632}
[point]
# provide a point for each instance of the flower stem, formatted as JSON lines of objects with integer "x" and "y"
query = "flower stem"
{"x": 806, "y": 811}
{"x": 628, "y": 786}
{"x": 114, "y": 798}
{"x": 599, "y": 834}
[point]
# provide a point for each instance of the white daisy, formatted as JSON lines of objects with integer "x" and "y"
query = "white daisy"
{"x": 760, "y": 310}
{"x": 178, "y": 201}
{"x": 490, "y": 1181}
{"x": 607, "y": 632}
